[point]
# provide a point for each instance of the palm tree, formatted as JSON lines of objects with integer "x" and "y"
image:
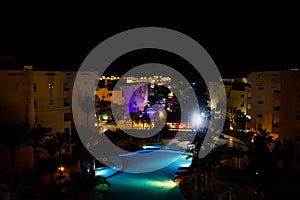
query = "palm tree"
{"x": 13, "y": 138}
{"x": 61, "y": 138}
{"x": 51, "y": 145}
{"x": 235, "y": 118}
{"x": 87, "y": 107}
{"x": 35, "y": 138}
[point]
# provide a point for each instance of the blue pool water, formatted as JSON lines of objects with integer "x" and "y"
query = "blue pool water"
{"x": 157, "y": 184}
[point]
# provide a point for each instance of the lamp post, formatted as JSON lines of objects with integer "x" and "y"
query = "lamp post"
{"x": 60, "y": 170}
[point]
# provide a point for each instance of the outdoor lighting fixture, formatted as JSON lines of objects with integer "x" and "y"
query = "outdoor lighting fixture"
{"x": 197, "y": 119}
{"x": 61, "y": 169}
{"x": 169, "y": 184}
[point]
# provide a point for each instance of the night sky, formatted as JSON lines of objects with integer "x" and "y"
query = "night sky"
{"x": 60, "y": 36}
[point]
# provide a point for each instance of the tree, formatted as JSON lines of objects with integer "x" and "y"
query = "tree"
{"x": 260, "y": 156}
{"x": 34, "y": 139}
{"x": 235, "y": 119}
{"x": 51, "y": 145}
{"x": 13, "y": 138}
{"x": 87, "y": 107}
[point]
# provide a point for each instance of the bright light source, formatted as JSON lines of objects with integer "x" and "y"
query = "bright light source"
{"x": 197, "y": 119}
{"x": 202, "y": 114}
{"x": 169, "y": 184}
{"x": 61, "y": 169}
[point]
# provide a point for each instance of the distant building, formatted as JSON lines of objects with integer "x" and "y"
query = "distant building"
{"x": 286, "y": 104}
{"x": 36, "y": 97}
{"x": 275, "y": 103}
{"x": 260, "y": 101}
{"x": 236, "y": 93}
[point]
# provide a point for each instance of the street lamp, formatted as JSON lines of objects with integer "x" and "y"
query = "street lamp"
{"x": 60, "y": 170}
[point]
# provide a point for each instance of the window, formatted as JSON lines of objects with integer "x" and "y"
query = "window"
{"x": 248, "y": 106}
{"x": 277, "y": 91}
{"x": 260, "y": 100}
{"x": 249, "y": 96}
{"x": 242, "y": 95}
{"x": 110, "y": 94}
{"x": 34, "y": 87}
{"x": 67, "y": 117}
{"x": 242, "y": 104}
{"x": 275, "y": 121}
{"x": 66, "y": 86}
{"x": 35, "y": 104}
{"x": 259, "y": 115}
{"x": 259, "y": 126}
{"x": 51, "y": 101}
{"x": 276, "y": 108}
{"x": 260, "y": 86}
{"x": 15, "y": 87}
{"x": 66, "y": 103}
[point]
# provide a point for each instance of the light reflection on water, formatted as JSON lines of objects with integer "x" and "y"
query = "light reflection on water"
{"x": 157, "y": 184}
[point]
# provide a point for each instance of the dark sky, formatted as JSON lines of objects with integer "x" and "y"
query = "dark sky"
{"x": 59, "y": 36}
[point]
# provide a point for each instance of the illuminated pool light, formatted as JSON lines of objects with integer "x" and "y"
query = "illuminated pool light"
{"x": 167, "y": 184}
{"x": 105, "y": 171}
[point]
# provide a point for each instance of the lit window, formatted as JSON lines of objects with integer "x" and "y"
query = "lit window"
{"x": 275, "y": 121}
{"x": 50, "y": 85}
{"x": 248, "y": 106}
